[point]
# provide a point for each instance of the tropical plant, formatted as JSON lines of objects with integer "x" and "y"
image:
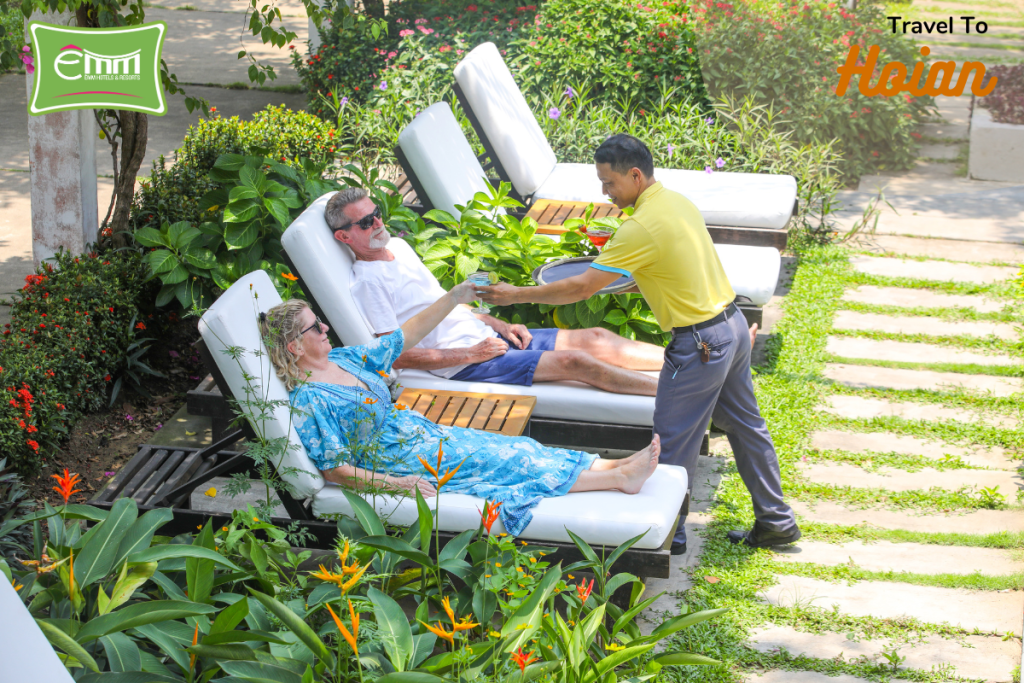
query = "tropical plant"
{"x": 259, "y": 198}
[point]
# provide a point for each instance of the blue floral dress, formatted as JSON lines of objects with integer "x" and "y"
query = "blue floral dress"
{"x": 342, "y": 424}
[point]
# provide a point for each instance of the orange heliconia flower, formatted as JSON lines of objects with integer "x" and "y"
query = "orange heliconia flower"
{"x": 583, "y": 590}
{"x": 67, "y": 485}
{"x": 349, "y": 636}
{"x": 192, "y": 657}
{"x": 442, "y": 479}
{"x": 440, "y": 632}
{"x": 523, "y": 659}
{"x": 489, "y": 515}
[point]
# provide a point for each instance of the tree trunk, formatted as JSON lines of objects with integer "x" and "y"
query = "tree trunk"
{"x": 134, "y": 134}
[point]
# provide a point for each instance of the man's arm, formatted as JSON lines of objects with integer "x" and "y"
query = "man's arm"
{"x": 435, "y": 359}
{"x": 567, "y": 291}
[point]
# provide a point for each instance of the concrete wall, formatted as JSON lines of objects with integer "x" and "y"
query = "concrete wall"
{"x": 997, "y": 149}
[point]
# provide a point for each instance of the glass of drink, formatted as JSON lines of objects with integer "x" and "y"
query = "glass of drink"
{"x": 598, "y": 236}
{"x": 481, "y": 278}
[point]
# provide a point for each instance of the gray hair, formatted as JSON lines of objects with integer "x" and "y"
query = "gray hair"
{"x": 334, "y": 212}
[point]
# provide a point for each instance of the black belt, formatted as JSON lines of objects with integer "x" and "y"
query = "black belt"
{"x": 721, "y": 317}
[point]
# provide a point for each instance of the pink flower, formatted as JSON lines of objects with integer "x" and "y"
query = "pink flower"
{"x": 671, "y": 149}
{"x": 709, "y": 170}
{"x": 108, "y": 474}
{"x": 553, "y": 113}
{"x": 719, "y": 162}
{"x": 406, "y": 32}
{"x": 425, "y": 31}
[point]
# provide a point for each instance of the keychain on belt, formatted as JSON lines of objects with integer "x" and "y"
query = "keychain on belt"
{"x": 702, "y": 346}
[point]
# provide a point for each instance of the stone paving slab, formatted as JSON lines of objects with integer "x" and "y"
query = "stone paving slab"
{"x": 985, "y": 610}
{"x": 939, "y": 271}
{"x": 916, "y": 324}
{"x": 892, "y": 479}
{"x": 912, "y": 184}
{"x": 202, "y": 47}
{"x": 944, "y": 130}
{"x": 911, "y": 352}
{"x": 858, "y": 407}
{"x": 914, "y": 558}
{"x": 934, "y": 151}
{"x": 982, "y": 657}
{"x": 952, "y": 249}
{"x": 866, "y": 376}
{"x": 979, "y": 522}
{"x": 223, "y": 503}
{"x": 987, "y": 230}
{"x": 923, "y": 298}
{"x": 289, "y": 8}
{"x": 994, "y": 203}
{"x": 806, "y": 677}
{"x": 885, "y": 442}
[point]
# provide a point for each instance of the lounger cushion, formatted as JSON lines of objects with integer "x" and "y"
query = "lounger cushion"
{"x": 600, "y": 517}
{"x": 441, "y": 158}
{"x": 749, "y": 200}
{"x": 753, "y": 272}
{"x": 506, "y": 118}
{"x": 231, "y": 322}
{"x": 325, "y": 265}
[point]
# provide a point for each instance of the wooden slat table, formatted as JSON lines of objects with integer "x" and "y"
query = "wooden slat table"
{"x": 551, "y": 215}
{"x": 502, "y": 413}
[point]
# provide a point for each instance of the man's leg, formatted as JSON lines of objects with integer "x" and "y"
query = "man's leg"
{"x": 609, "y": 347}
{"x": 737, "y": 413}
{"x": 687, "y": 392}
{"x": 582, "y": 367}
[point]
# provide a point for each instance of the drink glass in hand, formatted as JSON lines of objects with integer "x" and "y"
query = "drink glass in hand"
{"x": 481, "y": 278}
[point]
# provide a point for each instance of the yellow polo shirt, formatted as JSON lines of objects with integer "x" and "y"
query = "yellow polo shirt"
{"x": 665, "y": 246}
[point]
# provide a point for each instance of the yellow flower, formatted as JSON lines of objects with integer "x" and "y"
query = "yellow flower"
{"x": 17, "y": 586}
{"x": 533, "y": 559}
{"x": 327, "y": 576}
{"x": 494, "y": 634}
{"x": 497, "y": 564}
{"x": 487, "y": 576}
{"x": 524, "y": 542}
{"x": 522, "y": 627}
{"x": 214, "y": 207}
{"x": 350, "y": 638}
{"x": 571, "y": 576}
{"x": 519, "y": 569}
{"x": 255, "y": 519}
{"x": 343, "y": 554}
{"x": 355, "y": 578}
{"x": 211, "y": 492}
{"x": 614, "y": 647}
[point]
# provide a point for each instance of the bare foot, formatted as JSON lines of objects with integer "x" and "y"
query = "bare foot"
{"x": 753, "y": 335}
{"x": 636, "y": 472}
{"x": 602, "y": 464}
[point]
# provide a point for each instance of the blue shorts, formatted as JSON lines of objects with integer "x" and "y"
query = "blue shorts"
{"x": 516, "y": 366}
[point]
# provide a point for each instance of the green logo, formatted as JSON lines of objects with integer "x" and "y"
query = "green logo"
{"x": 97, "y": 68}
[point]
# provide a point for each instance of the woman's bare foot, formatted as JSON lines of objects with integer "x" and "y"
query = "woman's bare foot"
{"x": 640, "y": 469}
{"x": 602, "y": 464}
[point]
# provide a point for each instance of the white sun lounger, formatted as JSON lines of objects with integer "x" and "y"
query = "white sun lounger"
{"x": 435, "y": 152}
{"x": 600, "y": 518}
{"x": 521, "y": 155}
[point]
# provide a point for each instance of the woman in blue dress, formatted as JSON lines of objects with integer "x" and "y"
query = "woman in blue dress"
{"x": 357, "y": 437}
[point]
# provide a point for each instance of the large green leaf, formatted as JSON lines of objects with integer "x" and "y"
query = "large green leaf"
{"x": 122, "y": 652}
{"x": 279, "y": 210}
{"x": 61, "y": 640}
{"x": 683, "y": 658}
{"x": 165, "y": 552}
{"x": 615, "y": 317}
{"x": 230, "y": 617}
{"x": 464, "y": 265}
{"x": 615, "y": 659}
{"x": 128, "y": 583}
{"x": 260, "y": 672}
{"x": 161, "y": 261}
{"x": 170, "y": 646}
{"x": 392, "y": 628}
{"x": 426, "y": 521}
{"x": 242, "y": 192}
{"x": 129, "y": 677}
{"x": 242, "y": 637}
{"x": 410, "y": 677}
{"x": 178, "y": 273}
{"x": 438, "y": 251}
{"x": 201, "y": 258}
{"x": 241, "y": 236}
{"x": 97, "y": 557}
{"x": 297, "y": 626}
{"x": 231, "y": 651}
{"x": 399, "y": 547}
{"x": 366, "y": 515}
{"x": 685, "y": 621}
{"x": 140, "y": 533}
{"x": 139, "y": 614}
{"x": 181, "y": 234}
{"x": 526, "y": 619}
{"x": 148, "y": 237}
{"x": 199, "y": 571}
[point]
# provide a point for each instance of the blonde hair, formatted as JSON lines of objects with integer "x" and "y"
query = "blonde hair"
{"x": 279, "y": 326}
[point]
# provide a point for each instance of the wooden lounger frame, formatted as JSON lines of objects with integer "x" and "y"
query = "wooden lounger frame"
{"x": 161, "y": 476}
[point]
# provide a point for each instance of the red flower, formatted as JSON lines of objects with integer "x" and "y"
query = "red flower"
{"x": 140, "y": 326}
{"x": 107, "y": 378}
{"x": 583, "y": 590}
{"x": 522, "y": 659}
{"x": 489, "y": 515}
{"x": 35, "y": 446}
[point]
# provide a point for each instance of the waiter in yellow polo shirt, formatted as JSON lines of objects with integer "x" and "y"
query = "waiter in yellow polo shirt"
{"x": 665, "y": 246}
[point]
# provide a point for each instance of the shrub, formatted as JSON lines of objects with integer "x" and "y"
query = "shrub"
{"x": 172, "y": 194}
{"x": 1007, "y": 99}
{"x": 786, "y": 54}
{"x": 70, "y": 340}
{"x": 619, "y": 52}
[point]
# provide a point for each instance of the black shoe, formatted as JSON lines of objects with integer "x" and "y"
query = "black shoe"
{"x": 759, "y": 537}
{"x": 678, "y": 548}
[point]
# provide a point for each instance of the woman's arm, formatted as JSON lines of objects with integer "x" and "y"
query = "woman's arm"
{"x": 420, "y": 325}
{"x": 359, "y": 478}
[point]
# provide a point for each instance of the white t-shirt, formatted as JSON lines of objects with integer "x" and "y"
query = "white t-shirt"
{"x": 390, "y": 292}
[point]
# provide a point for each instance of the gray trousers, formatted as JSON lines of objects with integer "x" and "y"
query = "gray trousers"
{"x": 691, "y": 394}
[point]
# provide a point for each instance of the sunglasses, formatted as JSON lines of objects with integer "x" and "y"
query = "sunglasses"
{"x": 317, "y": 325}
{"x": 365, "y": 223}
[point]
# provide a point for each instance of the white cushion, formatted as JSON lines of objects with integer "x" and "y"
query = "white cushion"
{"x": 231, "y": 322}
{"x": 555, "y": 400}
{"x": 753, "y": 272}
{"x": 748, "y": 200}
{"x": 506, "y": 118}
{"x": 599, "y": 517}
{"x": 441, "y": 158}
{"x": 325, "y": 265}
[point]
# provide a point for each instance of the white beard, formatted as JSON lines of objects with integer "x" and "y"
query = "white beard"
{"x": 380, "y": 241}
